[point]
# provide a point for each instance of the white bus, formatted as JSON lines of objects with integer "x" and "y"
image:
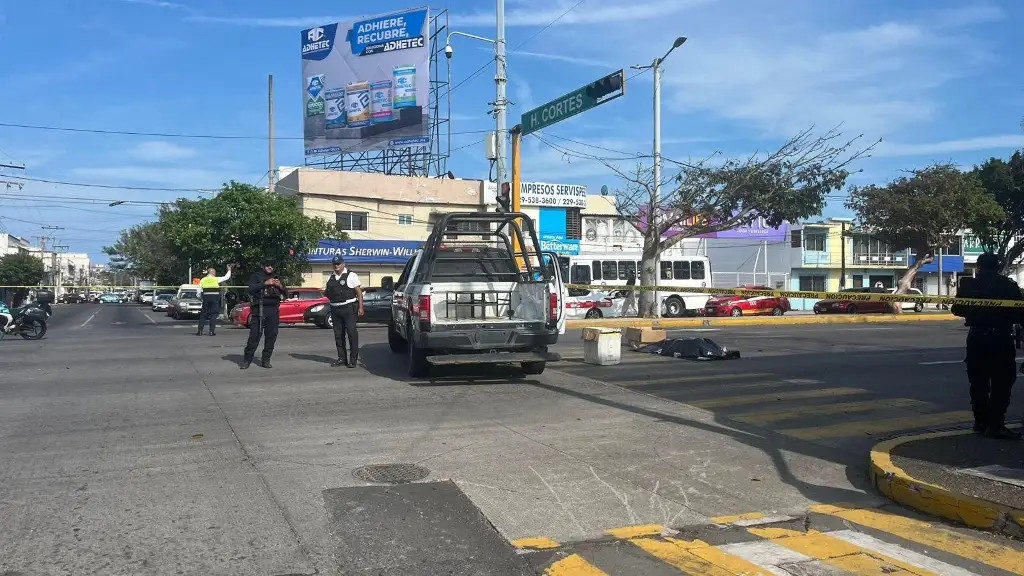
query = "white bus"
{"x": 676, "y": 272}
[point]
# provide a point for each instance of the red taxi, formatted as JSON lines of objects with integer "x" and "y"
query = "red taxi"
{"x": 735, "y": 305}
{"x": 292, "y": 310}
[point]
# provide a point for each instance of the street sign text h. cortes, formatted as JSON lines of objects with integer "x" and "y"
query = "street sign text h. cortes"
{"x": 580, "y": 100}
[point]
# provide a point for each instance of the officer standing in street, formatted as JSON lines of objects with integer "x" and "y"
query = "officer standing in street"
{"x": 266, "y": 291}
{"x": 991, "y": 362}
{"x": 345, "y": 292}
{"x": 209, "y": 292}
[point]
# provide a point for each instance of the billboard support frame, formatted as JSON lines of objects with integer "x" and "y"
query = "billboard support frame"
{"x": 404, "y": 161}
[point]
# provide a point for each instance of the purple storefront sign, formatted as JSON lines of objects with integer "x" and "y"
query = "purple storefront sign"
{"x": 756, "y": 230}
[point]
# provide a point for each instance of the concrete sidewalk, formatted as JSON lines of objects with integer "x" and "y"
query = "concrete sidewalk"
{"x": 958, "y": 475}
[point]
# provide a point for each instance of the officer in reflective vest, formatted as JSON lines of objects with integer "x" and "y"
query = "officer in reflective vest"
{"x": 209, "y": 291}
{"x": 344, "y": 291}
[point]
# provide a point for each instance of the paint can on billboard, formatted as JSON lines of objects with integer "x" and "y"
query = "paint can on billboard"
{"x": 357, "y": 103}
{"x": 380, "y": 101}
{"x": 405, "y": 86}
{"x": 335, "y": 102}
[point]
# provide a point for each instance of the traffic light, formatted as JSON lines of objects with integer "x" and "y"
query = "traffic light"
{"x": 605, "y": 86}
{"x": 504, "y": 197}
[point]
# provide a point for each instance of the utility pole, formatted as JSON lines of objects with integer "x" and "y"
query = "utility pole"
{"x": 10, "y": 183}
{"x": 270, "y": 133}
{"x": 652, "y": 218}
{"x": 42, "y": 247}
{"x": 842, "y": 257}
{"x": 500, "y": 103}
{"x": 58, "y": 283}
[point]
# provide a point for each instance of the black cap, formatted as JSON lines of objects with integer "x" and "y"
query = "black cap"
{"x": 988, "y": 261}
{"x": 337, "y": 260}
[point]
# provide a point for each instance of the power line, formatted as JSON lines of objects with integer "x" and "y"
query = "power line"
{"x": 115, "y": 187}
{"x": 179, "y": 135}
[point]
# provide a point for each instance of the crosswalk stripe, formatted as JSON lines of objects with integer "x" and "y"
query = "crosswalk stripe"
{"x": 694, "y": 378}
{"x": 775, "y": 396}
{"x": 838, "y": 553}
{"x": 869, "y": 542}
{"x": 875, "y": 427}
{"x": 990, "y": 553}
{"x": 574, "y": 565}
{"x": 829, "y": 409}
{"x": 772, "y": 557}
{"x": 681, "y": 554}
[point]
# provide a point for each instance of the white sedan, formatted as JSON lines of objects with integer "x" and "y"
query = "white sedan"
{"x": 592, "y": 304}
{"x": 915, "y": 306}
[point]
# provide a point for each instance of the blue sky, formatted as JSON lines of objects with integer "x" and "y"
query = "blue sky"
{"x": 936, "y": 80}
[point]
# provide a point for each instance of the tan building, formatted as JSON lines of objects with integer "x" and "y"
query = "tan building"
{"x": 386, "y": 217}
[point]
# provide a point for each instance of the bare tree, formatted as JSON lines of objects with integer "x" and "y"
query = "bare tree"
{"x": 713, "y": 195}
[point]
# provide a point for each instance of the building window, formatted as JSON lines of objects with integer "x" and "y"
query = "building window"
{"x": 858, "y": 281}
{"x": 351, "y": 220}
{"x": 814, "y": 241}
{"x": 919, "y": 283}
{"x": 405, "y": 219}
{"x": 815, "y": 283}
{"x": 573, "y": 224}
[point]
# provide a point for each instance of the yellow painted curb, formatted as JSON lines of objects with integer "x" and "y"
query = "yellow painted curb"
{"x": 896, "y": 484}
{"x": 704, "y": 322}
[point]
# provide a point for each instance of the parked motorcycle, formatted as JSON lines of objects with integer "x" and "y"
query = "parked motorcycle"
{"x": 29, "y": 322}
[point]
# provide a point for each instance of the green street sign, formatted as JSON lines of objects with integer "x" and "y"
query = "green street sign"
{"x": 580, "y": 100}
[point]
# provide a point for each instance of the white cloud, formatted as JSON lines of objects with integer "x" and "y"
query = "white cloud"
{"x": 1003, "y": 142}
{"x": 543, "y": 14}
{"x": 159, "y": 4}
{"x": 163, "y": 177}
{"x": 161, "y": 151}
{"x": 272, "y": 21}
{"x": 561, "y": 58}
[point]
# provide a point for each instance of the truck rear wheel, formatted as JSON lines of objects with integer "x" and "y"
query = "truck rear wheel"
{"x": 397, "y": 344}
{"x": 534, "y": 367}
{"x": 418, "y": 366}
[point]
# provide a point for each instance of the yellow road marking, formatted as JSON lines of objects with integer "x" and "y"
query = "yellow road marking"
{"x": 695, "y": 378}
{"x": 827, "y": 409}
{"x": 541, "y": 543}
{"x": 875, "y": 427}
{"x": 775, "y": 396}
{"x": 838, "y": 553}
{"x": 735, "y": 517}
{"x": 990, "y": 553}
{"x": 696, "y": 557}
{"x": 636, "y": 531}
{"x": 574, "y": 565}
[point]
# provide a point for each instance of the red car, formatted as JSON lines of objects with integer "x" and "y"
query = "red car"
{"x": 747, "y": 305}
{"x": 292, "y": 310}
{"x": 839, "y": 306}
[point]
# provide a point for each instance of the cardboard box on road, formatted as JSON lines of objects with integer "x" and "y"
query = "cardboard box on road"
{"x": 637, "y": 337}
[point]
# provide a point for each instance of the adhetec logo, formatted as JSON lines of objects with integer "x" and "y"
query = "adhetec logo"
{"x": 317, "y": 40}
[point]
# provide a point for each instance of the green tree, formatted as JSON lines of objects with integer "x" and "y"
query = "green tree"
{"x": 923, "y": 211}
{"x": 787, "y": 184}
{"x": 20, "y": 269}
{"x": 147, "y": 254}
{"x": 244, "y": 224}
{"x": 1004, "y": 180}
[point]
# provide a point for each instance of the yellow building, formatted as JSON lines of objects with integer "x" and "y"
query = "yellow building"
{"x": 386, "y": 217}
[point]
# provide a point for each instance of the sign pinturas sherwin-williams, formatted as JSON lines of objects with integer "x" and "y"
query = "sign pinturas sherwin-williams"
{"x": 552, "y": 195}
{"x": 349, "y": 69}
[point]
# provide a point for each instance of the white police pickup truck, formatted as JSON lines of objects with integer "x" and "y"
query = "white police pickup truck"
{"x": 470, "y": 297}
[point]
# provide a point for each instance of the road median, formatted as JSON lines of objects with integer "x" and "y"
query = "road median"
{"x": 724, "y": 322}
{"x": 945, "y": 481}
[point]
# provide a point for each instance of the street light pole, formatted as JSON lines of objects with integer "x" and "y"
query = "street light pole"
{"x": 499, "y": 102}
{"x": 652, "y": 218}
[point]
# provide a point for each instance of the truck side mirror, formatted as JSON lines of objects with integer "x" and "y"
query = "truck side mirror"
{"x": 387, "y": 283}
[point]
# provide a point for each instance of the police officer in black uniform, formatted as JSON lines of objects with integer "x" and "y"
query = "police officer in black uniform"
{"x": 266, "y": 291}
{"x": 346, "y": 295}
{"x": 991, "y": 362}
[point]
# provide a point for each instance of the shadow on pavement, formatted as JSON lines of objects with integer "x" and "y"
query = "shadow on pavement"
{"x": 380, "y": 361}
{"x": 770, "y": 443}
{"x": 313, "y": 357}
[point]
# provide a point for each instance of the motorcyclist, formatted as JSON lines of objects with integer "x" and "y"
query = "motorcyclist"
{"x": 6, "y": 317}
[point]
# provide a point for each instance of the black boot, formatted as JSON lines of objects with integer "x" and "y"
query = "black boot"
{"x": 199, "y": 332}
{"x": 266, "y": 363}
{"x": 338, "y": 363}
{"x": 1001, "y": 433}
{"x": 352, "y": 362}
{"x": 245, "y": 364}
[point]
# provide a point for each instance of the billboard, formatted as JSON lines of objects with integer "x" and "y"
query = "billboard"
{"x": 544, "y": 195}
{"x": 366, "y": 84}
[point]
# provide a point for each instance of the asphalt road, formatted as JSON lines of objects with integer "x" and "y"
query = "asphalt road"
{"x": 131, "y": 446}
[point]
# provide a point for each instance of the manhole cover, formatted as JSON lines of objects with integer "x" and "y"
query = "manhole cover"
{"x": 391, "y": 473}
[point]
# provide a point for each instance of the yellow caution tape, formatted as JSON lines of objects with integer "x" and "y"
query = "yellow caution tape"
{"x": 842, "y": 296}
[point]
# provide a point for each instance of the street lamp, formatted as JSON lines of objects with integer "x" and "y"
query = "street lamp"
{"x": 651, "y": 218}
{"x": 499, "y": 82}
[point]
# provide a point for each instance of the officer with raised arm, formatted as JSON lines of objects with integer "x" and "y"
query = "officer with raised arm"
{"x": 209, "y": 292}
{"x": 345, "y": 292}
{"x": 991, "y": 362}
{"x": 266, "y": 291}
